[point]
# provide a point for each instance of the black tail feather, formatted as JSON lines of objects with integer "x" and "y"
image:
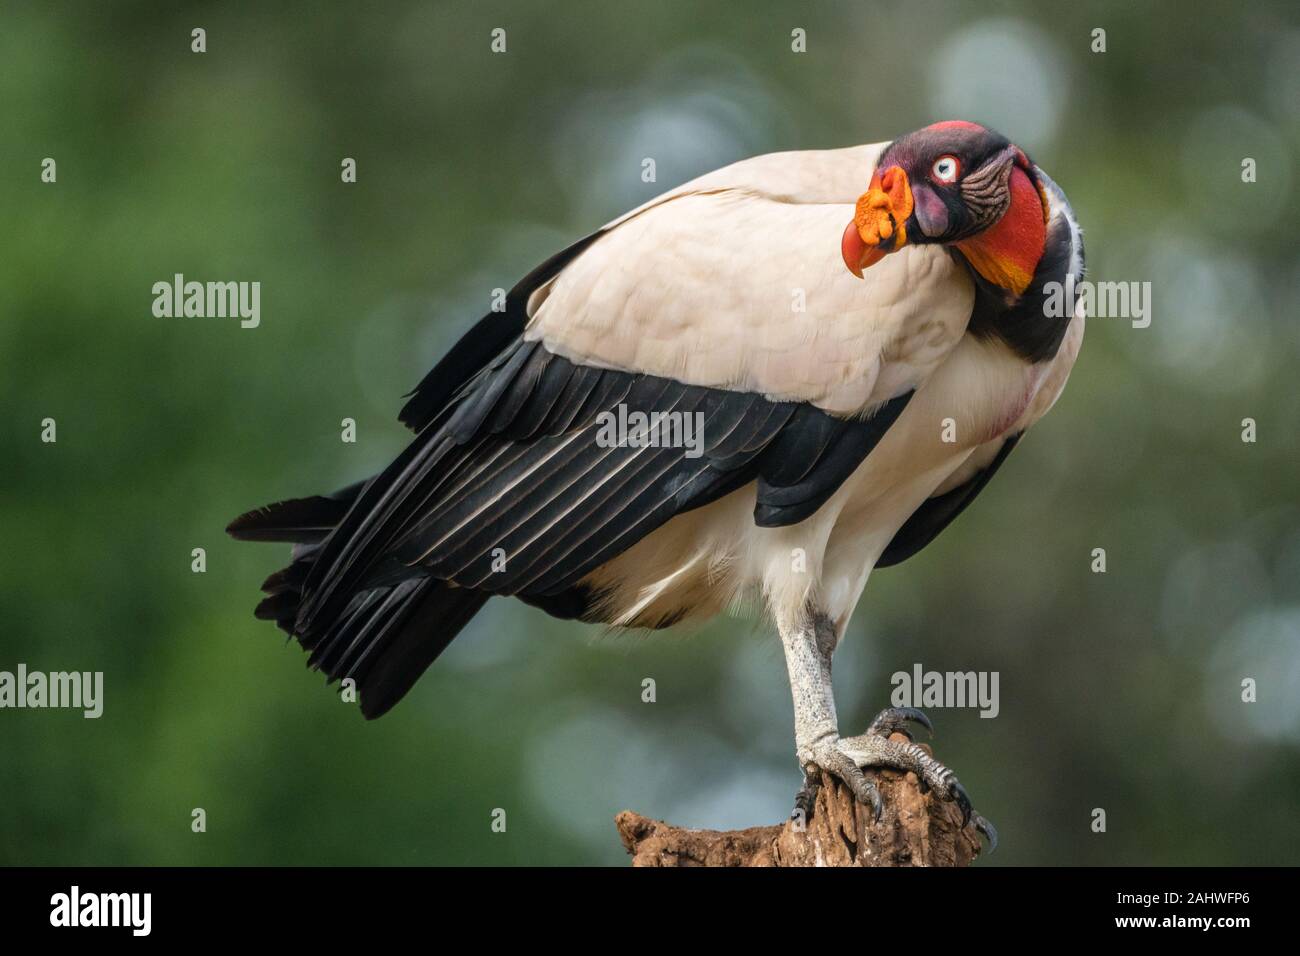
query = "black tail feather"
{"x": 401, "y": 654}
{"x": 387, "y": 636}
{"x": 299, "y": 520}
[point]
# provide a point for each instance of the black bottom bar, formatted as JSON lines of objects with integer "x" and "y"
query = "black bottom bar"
{"x": 334, "y": 905}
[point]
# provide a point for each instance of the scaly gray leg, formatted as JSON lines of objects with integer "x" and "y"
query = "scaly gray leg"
{"x": 819, "y": 746}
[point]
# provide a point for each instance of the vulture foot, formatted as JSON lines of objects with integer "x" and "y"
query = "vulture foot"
{"x": 846, "y": 756}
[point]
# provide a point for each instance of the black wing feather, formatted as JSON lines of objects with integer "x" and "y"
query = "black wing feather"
{"x": 784, "y": 498}
{"x": 937, "y": 513}
{"x": 515, "y": 463}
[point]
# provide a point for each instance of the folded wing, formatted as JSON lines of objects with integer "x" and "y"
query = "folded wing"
{"x": 724, "y": 301}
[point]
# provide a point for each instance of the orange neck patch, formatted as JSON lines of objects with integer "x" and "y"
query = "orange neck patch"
{"x": 1007, "y": 253}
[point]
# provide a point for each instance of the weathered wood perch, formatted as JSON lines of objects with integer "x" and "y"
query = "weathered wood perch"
{"x": 915, "y": 829}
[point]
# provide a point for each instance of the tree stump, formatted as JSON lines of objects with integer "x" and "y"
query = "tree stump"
{"x": 915, "y": 829}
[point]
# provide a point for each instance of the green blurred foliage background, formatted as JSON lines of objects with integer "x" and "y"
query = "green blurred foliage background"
{"x": 1119, "y": 690}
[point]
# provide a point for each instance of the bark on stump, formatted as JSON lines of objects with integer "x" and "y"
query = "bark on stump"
{"x": 915, "y": 829}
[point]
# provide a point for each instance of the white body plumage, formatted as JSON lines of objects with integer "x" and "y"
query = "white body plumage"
{"x": 660, "y": 294}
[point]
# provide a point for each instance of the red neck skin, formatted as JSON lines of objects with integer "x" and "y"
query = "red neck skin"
{"x": 1007, "y": 253}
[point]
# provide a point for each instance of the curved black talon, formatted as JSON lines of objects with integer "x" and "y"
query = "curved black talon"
{"x": 806, "y": 798}
{"x": 962, "y": 799}
{"x": 989, "y": 830}
{"x": 917, "y": 716}
{"x": 893, "y": 720}
{"x": 804, "y": 801}
{"x": 877, "y": 804}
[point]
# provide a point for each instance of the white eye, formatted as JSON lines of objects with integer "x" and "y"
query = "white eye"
{"x": 946, "y": 169}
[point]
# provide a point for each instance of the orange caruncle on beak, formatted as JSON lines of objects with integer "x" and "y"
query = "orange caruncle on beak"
{"x": 878, "y": 227}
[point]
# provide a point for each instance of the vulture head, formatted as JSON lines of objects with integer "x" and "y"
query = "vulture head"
{"x": 961, "y": 185}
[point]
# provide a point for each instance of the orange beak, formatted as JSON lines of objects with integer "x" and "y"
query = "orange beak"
{"x": 878, "y": 226}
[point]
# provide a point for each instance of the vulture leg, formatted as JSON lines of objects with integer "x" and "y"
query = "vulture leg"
{"x": 819, "y": 746}
{"x": 808, "y": 649}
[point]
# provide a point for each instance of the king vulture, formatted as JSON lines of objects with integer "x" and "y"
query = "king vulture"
{"x": 860, "y": 335}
